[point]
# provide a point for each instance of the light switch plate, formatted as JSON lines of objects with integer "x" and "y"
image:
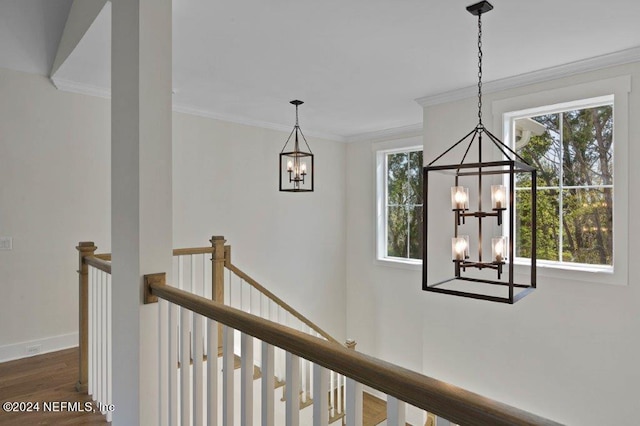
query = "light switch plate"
{"x": 6, "y": 243}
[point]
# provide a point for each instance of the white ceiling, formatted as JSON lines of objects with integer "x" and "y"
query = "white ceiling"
{"x": 357, "y": 64}
{"x": 29, "y": 33}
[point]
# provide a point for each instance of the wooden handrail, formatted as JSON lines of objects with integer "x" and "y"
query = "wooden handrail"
{"x": 445, "y": 400}
{"x": 280, "y": 302}
{"x": 192, "y": 250}
{"x": 98, "y": 263}
{"x": 176, "y": 252}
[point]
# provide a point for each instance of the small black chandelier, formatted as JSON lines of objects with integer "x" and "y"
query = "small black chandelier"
{"x": 296, "y": 167}
{"x": 504, "y": 169}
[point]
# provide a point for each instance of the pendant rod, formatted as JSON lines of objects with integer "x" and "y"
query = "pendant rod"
{"x": 480, "y": 69}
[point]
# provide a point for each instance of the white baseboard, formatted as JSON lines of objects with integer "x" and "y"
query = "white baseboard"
{"x": 37, "y": 347}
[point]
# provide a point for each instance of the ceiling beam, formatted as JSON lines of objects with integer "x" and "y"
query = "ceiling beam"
{"x": 81, "y": 16}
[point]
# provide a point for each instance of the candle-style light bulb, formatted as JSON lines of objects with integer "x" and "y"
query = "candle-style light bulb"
{"x": 303, "y": 168}
{"x": 460, "y": 247}
{"x": 499, "y": 246}
{"x": 459, "y": 198}
{"x": 498, "y": 197}
{"x": 289, "y": 165}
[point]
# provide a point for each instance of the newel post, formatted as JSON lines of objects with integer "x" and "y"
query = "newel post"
{"x": 86, "y": 248}
{"x": 217, "y": 276}
{"x": 217, "y": 268}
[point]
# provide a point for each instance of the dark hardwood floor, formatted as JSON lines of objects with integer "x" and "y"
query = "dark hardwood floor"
{"x": 44, "y": 378}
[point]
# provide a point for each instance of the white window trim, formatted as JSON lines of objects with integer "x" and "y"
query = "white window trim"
{"x": 506, "y": 109}
{"x": 380, "y": 150}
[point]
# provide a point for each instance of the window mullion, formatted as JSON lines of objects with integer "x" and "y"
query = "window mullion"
{"x": 406, "y": 206}
{"x": 560, "y": 184}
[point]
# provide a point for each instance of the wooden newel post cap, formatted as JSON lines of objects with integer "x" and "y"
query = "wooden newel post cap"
{"x": 216, "y": 238}
{"x": 86, "y": 246}
{"x": 350, "y": 344}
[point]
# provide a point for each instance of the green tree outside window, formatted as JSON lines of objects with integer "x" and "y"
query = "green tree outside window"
{"x": 574, "y": 158}
{"x": 404, "y": 204}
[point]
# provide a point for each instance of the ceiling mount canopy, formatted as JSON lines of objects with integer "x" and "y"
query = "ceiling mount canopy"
{"x": 475, "y": 274}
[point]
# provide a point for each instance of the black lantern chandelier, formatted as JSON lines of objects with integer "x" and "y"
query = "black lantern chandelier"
{"x": 496, "y": 178}
{"x": 296, "y": 167}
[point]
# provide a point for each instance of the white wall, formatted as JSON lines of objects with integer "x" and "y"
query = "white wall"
{"x": 569, "y": 351}
{"x": 226, "y": 183}
{"x": 54, "y": 192}
{"x": 383, "y": 303}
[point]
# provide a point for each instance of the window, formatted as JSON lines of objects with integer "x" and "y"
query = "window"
{"x": 572, "y": 149}
{"x": 578, "y": 190}
{"x": 400, "y": 205}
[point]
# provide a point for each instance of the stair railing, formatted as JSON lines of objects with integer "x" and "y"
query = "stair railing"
{"x": 95, "y": 365}
{"x": 234, "y": 287}
{"x": 402, "y": 386}
{"x": 267, "y": 337}
{"x": 203, "y": 271}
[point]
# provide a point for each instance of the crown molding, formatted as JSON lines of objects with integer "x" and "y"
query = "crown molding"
{"x": 250, "y": 122}
{"x": 604, "y": 61}
{"x": 101, "y": 92}
{"x": 402, "y": 132}
{"x": 80, "y": 88}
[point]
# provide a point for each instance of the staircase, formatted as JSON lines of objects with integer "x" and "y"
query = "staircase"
{"x": 237, "y": 289}
{"x": 262, "y": 347}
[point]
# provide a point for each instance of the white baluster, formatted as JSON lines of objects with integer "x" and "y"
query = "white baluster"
{"x": 91, "y": 337}
{"x": 280, "y": 371}
{"x": 353, "y": 402}
{"x": 339, "y": 404}
{"x": 194, "y": 287}
{"x": 163, "y": 355}
{"x": 104, "y": 340}
{"x": 180, "y": 273}
{"x": 320, "y": 390}
{"x": 344, "y": 393}
{"x": 173, "y": 364}
{"x": 185, "y": 367}
{"x": 212, "y": 373}
{"x": 227, "y": 290}
{"x": 311, "y": 382}
{"x": 99, "y": 346}
{"x": 307, "y": 376}
{"x": 231, "y": 291}
{"x": 268, "y": 384}
{"x": 246, "y": 380}
{"x": 292, "y": 390}
{"x": 206, "y": 292}
{"x": 395, "y": 412}
{"x": 109, "y": 342}
{"x": 96, "y": 338}
{"x": 332, "y": 395}
{"x": 96, "y": 326}
{"x": 198, "y": 388}
{"x": 227, "y": 375}
{"x": 258, "y": 309}
{"x": 303, "y": 379}
{"x": 264, "y": 306}
{"x": 206, "y": 285}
